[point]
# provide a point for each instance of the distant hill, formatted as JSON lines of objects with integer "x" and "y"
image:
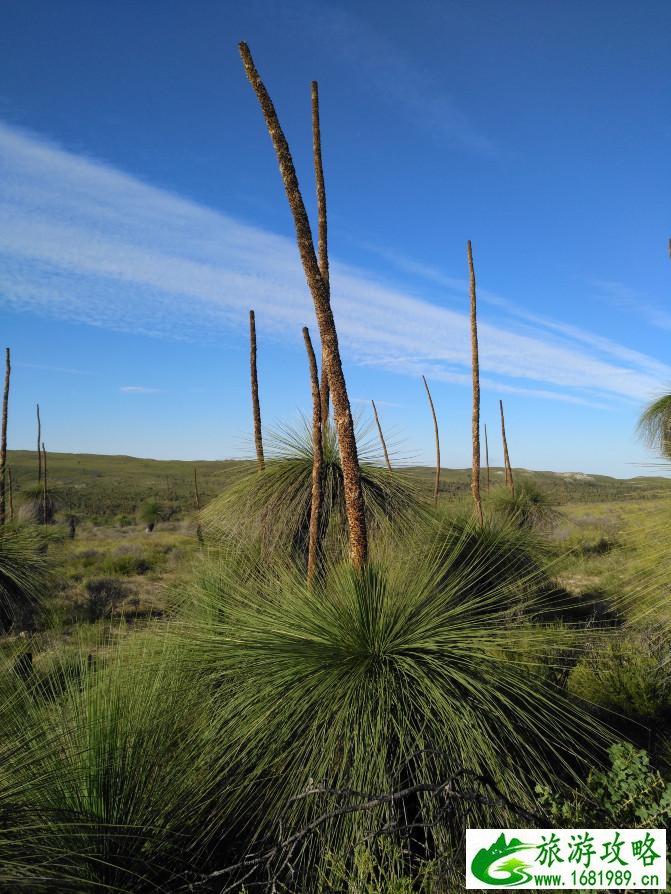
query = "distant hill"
{"x": 100, "y": 486}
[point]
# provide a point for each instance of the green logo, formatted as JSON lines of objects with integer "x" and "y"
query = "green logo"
{"x": 513, "y": 868}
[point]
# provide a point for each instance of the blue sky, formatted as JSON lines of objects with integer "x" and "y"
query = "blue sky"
{"x": 142, "y": 215}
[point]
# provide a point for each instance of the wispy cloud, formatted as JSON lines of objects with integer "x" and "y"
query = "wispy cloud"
{"x": 57, "y": 369}
{"x": 411, "y": 90}
{"x": 621, "y": 296}
{"x": 82, "y": 241}
{"x": 138, "y": 389}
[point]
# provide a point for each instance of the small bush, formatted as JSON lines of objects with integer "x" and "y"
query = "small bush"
{"x": 103, "y": 594}
{"x": 631, "y": 795}
{"x": 630, "y": 676}
{"x": 126, "y": 565}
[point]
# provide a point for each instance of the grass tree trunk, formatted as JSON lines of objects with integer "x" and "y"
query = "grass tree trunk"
{"x": 506, "y": 457}
{"x": 256, "y": 406}
{"x": 382, "y": 440}
{"x": 487, "y": 457}
{"x": 317, "y": 461}
{"x": 3, "y": 437}
{"x": 475, "y": 363}
{"x": 436, "y": 486}
{"x": 322, "y": 232}
{"x": 39, "y": 445}
{"x": 353, "y": 492}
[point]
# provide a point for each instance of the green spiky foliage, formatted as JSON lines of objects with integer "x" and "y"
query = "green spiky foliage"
{"x": 32, "y": 505}
{"x": 529, "y": 507}
{"x": 273, "y": 505}
{"x": 105, "y": 782}
{"x": 25, "y": 575}
{"x": 408, "y": 671}
{"x": 655, "y": 425}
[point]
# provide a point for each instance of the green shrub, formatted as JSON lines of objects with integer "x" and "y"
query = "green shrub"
{"x": 631, "y": 795}
{"x": 127, "y": 564}
{"x": 103, "y": 594}
{"x": 629, "y": 675}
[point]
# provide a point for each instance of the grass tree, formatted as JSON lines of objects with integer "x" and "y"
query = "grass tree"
{"x": 475, "y": 467}
{"x": 487, "y": 458}
{"x": 319, "y": 289}
{"x": 256, "y": 406}
{"x": 273, "y": 507}
{"x": 402, "y": 674}
{"x": 436, "y": 486}
{"x": 3, "y": 439}
{"x": 655, "y": 425}
{"x": 107, "y": 782}
{"x": 382, "y": 440}
{"x": 317, "y": 460}
{"x": 528, "y": 506}
{"x": 25, "y": 576}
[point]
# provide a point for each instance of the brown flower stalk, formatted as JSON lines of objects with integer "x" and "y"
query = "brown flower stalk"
{"x": 353, "y": 493}
{"x": 475, "y": 467}
{"x": 317, "y": 460}
{"x": 487, "y": 456}
{"x": 256, "y": 407}
{"x": 382, "y": 440}
{"x": 322, "y": 231}
{"x": 199, "y": 530}
{"x": 44, "y": 491}
{"x": 3, "y": 439}
{"x": 39, "y": 445}
{"x": 436, "y": 486}
{"x": 11, "y": 493}
{"x": 195, "y": 488}
{"x": 506, "y": 457}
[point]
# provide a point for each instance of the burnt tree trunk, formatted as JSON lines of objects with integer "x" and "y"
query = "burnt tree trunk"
{"x": 382, "y": 440}
{"x": 475, "y": 362}
{"x": 436, "y": 486}
{"x": 317, "y": 461}
{"x": 354, "y": 502}
{"x": 256, "y": 406}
